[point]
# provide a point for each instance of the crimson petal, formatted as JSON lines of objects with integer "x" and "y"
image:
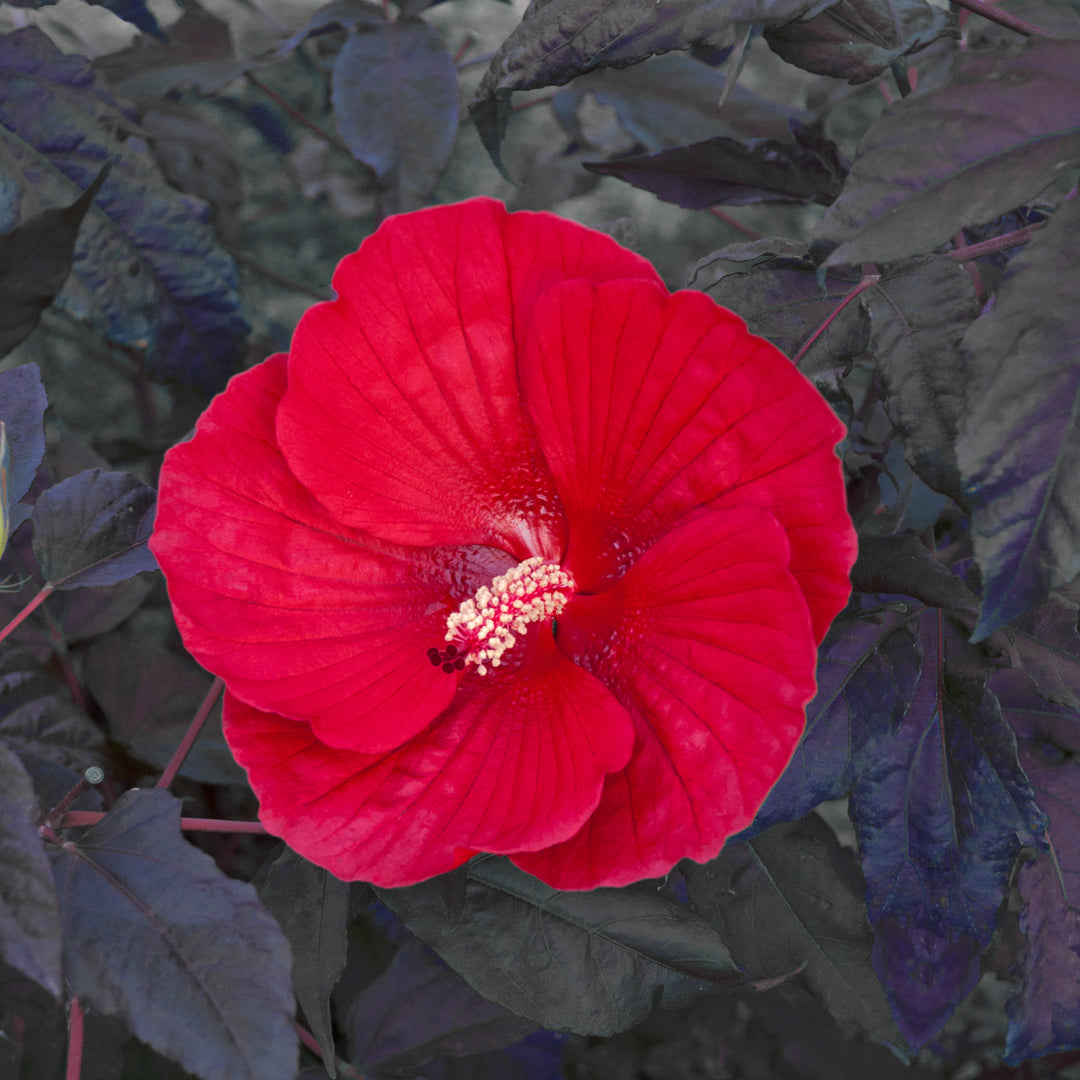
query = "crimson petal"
{"x": 403, "y": 413}
{"x": 296, "y": 612}
{"x": 706, "y": 640}
{"x": 649, "y": 405}
{"x": 517, "y": 763}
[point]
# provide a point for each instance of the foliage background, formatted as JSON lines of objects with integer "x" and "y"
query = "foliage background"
{"x": 187, "y": 189}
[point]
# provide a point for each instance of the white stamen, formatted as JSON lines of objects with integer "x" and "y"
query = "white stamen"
{"x": 526, "y": 593}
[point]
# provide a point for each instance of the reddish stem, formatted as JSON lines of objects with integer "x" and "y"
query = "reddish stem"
{"x": 77, "y": 818}
{"x": 972, "y": 270}
{"x": 470, "y": 40}
{"x": 533, "y": 103}
{"x": 76, "y": 1031}
{"x": 1003, "y": 18}
{"x": 42, "y": 596}
{"x": 297, "y": 115}
{"x": 186, "y": 743}
{"x": 738, "y": 226}
{"x": 866, "y": 283}
{"x": 996, "y": 243}
{"x": 312, "y": 1044}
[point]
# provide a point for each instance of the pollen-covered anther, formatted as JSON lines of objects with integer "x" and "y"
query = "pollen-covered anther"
{"x": 483, "y": 628}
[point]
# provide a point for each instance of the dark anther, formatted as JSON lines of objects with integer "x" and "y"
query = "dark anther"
{"x": 459, "y": 663}
{"x": 434, "y": 656}
{"x": 451, "y": 650}
{"x": 448, "y": 667}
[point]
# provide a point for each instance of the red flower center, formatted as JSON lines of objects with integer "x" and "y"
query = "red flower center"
{"x": 484, "y": 626}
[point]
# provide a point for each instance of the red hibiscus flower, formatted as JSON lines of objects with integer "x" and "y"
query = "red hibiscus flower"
{"x": 514, "y": 552}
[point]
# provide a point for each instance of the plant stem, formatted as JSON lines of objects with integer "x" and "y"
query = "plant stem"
{"x": 44, "y": 593}
{"x": 191, "y": 735}
{"x": 738, "y": 226}
{"x": 74, "y": 819}
{"x": 996, "y": 243}
{"x": 867, "y": 281}
{"x": 76, "y": 1030}
{"x": 297, "y": 115}
{"x": 972, "y": 269}
{"x": 899, "y": 73}
{"x": 1003, "y": 18}
{"x": 312, "y": 1044}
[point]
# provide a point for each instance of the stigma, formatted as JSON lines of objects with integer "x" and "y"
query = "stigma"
{"x": 485, "y": 626}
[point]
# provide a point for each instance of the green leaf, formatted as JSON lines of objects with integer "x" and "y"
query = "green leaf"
{"x": 590, "y": 962}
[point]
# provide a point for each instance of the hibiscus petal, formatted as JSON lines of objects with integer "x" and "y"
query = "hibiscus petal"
{"x": 403, "y": 413}
{"x": 296, "y": 612}
{"x": 649, "y": 405}
{"x": 706, "y": 640}
{"x": 516, "y": 763}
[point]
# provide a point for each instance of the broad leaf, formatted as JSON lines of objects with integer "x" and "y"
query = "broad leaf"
{"x": 93, "y": 529}
{"x": 156, "y": 934}
{"x": 674, "y": 100}
{"x": 147, "y": 270}
{"x": 791, "y": 900}
{"x": 736, "y": 173}
{"x": 941, "y": 811}
{"x": 1019, "y": 443}
{"x": 39, "y": 719}
{"x": 417, "y": 1010}
{"x": 395, "y": 98}
{"x": 902, "y": 564}
{"x": 35, "y": 260}
{"x": 918, "y": 314}
{"x": 312, "y": 907}
{"x": 22, "y": 412}
{"x": 858, "y": 39}
{"x": 591, "y": 962}
{"x": 149, "y": 696}
{"x": 990, "y": 139}
{"x": 1044, "y": 1016}
{"x": 560, "y": 39}
{"x": 29, "y": 916}
{"x": 1046, "y": 644}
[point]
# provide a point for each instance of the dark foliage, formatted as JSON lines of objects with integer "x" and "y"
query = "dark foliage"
{"x": 905, "y": 902}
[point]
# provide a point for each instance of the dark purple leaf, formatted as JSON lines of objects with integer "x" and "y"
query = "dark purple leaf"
{"x": 941, "y": 810}
{"x": 93, "y": 529}
{"x": 590, "y": 962}
{"x": 149, "y": 696}
{"x": 1044, "y": 1016}
{"x": 903, "y": 565}
{"x": 22, "y": 410}
{"x": 560, "y": 39}
{"x": 147, "y": 270}
{"x": 29, "y": 916}
{"x": 858, "y": 39}
{"x": 868, "y": 668}
{"x": 673, "y": 100}
{"x": 417, "y": 1010}
{"x": 312, "y": 907}
{"x": 791, "y": 900}
{"x": 35, "y": 260}
{"x": 38, "y": 717}
{"x": 780, "y": 300}
{"x": 1019, "y": 444}
{"x": 395, "y": 96}
{"x": 1045, "y": 643}
{"x": 918, "y": 314}
{"x": 990, "y": 139}
{"x": 735, "y": 173}
{"x": 156, "y": 934}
